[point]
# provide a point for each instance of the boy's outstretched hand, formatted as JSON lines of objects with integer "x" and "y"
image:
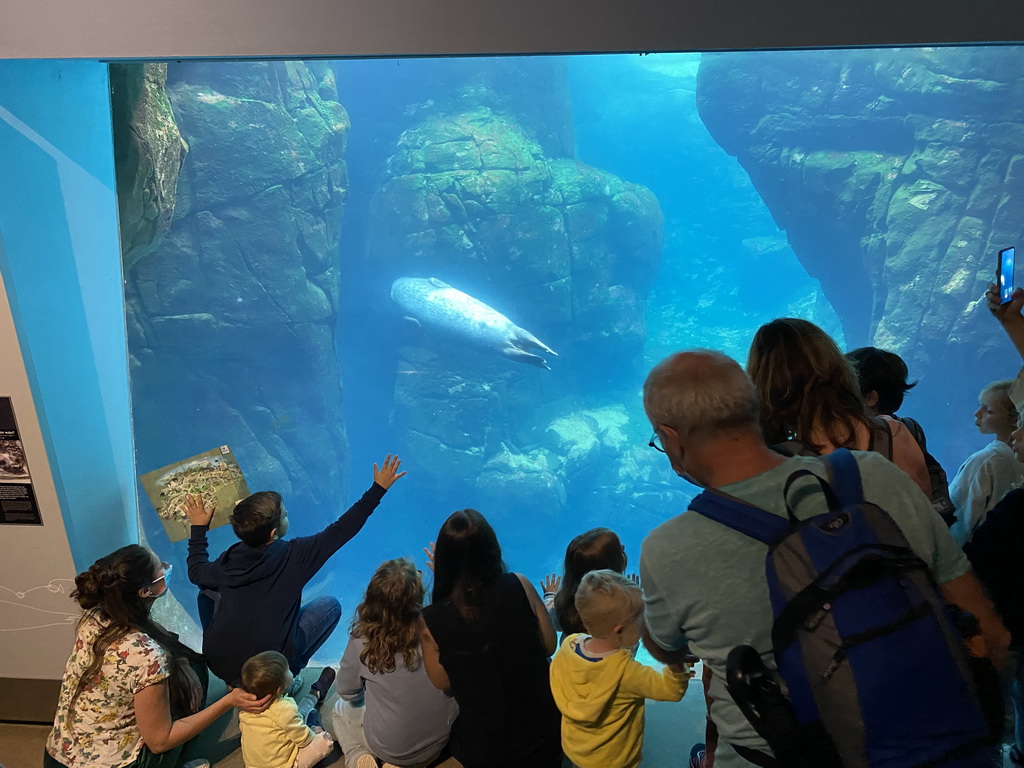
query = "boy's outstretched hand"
{"x": 386, "y": 475}
{"x": 198, "y": 513}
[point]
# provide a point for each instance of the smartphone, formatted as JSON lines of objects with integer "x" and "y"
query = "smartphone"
{"x": 1005, "y": 273}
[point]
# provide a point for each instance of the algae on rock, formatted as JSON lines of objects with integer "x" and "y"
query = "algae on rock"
{"x": 232, "y": 316}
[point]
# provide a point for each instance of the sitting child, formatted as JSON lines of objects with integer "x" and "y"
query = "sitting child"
{"x": 263, "y": 576}
{"x": 598, "y": 686}
{"x": 388, "y": 705}
{"x": 278, "y": 737}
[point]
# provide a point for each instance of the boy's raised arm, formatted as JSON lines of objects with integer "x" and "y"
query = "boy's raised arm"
{"x": 315, "y": 550}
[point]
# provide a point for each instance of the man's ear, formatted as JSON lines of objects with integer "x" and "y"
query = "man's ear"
{"x": 273, "y": 535}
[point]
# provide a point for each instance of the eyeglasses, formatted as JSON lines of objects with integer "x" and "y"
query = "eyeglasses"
{"x": 167, "y": 572}
{"x": 655, "y": 442}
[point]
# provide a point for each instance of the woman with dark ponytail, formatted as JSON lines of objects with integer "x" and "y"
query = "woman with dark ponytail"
{"x": 131, "y": 695}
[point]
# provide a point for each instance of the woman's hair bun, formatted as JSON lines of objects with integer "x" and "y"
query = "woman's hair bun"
{"x": 87, "y": 589}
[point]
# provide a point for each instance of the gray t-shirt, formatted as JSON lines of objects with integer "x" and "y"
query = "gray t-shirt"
{"x": 407, "y": 719}
{"x": 704, "y": 584}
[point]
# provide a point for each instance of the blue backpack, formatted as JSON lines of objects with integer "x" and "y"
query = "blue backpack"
{"x": 862, "y": 638}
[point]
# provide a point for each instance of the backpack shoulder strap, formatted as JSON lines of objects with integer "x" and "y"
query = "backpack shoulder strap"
{"x": 741, "y": 517}
{"x": 881, "y": 437}
{"x": 915, "y": 429}
{"x": 844, "y": 477}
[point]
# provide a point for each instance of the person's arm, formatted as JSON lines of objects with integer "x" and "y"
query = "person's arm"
{"x": 550, "y": 587}
{"x": 160, "y": 733}
{"x": 679, "y": 656}
{"x": 966, "y": 592}
{"x": 432, "y": 660}
{"x": 970, "y": 491}
{"x": 669, "y": 684}
{"x": 200, "y": 572}
{"x": 548, "y": 638}
{"x": 933, "y": 543}
{"x": 665, "y": 642}
{"x": 1009, "y": 315}
{"x": 314, "y": 551}
{"x": 349, "y": 683}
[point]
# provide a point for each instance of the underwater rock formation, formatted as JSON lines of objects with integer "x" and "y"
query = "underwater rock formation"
{"x": 894, "y": 173}
{"x": 561, "y": 248}
{"x": 148, "y": 153}
{"x": 897, "y": 175}
{"x": 232, "y": 316}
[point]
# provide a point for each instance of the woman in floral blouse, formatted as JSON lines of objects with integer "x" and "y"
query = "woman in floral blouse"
{"x": 130, "y": 697}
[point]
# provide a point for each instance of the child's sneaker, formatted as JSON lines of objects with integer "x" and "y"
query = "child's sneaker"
{"x": 366, "y": 761}
{"x": 323, "y": 684}
{"x": 200, "y": 763}
{"x": 697, "y": 755}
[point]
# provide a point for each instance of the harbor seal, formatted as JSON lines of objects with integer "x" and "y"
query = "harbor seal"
{"x": 435, "y": 304}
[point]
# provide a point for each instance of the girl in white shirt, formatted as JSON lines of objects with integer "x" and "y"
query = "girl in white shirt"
{"x": 987, "y": 475}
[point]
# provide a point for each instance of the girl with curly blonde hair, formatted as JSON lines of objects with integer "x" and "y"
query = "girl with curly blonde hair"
{"x": 389, "y": 709}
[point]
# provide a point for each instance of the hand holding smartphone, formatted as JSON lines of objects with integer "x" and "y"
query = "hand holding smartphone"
{"x": 1004, "y": 274}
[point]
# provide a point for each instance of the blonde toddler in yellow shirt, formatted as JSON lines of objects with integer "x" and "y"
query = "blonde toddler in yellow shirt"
{"x": 278, "y": 737}
{"x": 598, "y": 686}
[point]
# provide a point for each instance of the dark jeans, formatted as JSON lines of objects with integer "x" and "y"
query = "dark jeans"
{"x": 317, "y": 620}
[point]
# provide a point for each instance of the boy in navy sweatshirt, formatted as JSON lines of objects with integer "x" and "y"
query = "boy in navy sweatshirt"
{"x": 260, "y": 579}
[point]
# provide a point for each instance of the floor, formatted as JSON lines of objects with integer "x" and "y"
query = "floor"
{"x": 672, "y": 728}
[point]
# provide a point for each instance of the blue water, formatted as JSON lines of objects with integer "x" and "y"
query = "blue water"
{"x": 724, "y": 269}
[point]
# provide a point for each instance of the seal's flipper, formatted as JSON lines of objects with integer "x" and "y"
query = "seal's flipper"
{"x": 412, "y": 321}
{"x": 522, "y": 356}
{"x": 528, "y": 340}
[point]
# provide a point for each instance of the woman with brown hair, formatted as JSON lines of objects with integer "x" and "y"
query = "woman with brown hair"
{"x": 593, "y": 550}
{"x": 131, "y": 695}
{"x": 389, "y": 708}
{"x": 487, "y": 639}
{"x": 810, "y": 399}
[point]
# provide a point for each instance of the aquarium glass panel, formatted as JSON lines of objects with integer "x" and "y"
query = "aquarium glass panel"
{"x": 473, "y": 263}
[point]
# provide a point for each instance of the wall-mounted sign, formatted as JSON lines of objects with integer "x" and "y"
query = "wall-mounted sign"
{"x": 17, "y": 499}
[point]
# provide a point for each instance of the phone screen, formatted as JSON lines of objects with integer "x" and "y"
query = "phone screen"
{"x": 1005, "y": 274}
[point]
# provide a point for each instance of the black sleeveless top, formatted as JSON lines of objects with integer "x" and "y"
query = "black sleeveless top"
{"x": 498, "y": 670}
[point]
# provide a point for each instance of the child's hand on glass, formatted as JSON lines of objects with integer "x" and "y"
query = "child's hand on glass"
{"x": 386, "y": 475}
{"x": 196, "y": 510}
{"x": 550, "y": 585}
{"x": 429, "y": 550}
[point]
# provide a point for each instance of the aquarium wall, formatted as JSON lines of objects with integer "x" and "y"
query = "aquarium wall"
{"x": 58, "y": 208}
{"x": 474, "y": 262}
{"x": 69, "y": 498}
